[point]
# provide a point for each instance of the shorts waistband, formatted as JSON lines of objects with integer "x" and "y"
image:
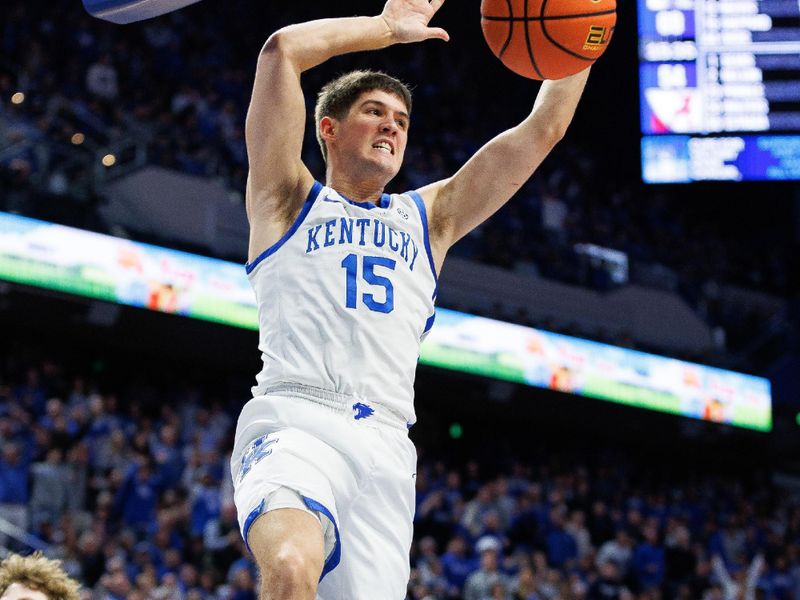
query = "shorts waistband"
{"x": 344, "y": 404}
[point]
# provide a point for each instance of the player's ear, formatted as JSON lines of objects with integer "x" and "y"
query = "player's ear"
{"x": 327, "y": 128}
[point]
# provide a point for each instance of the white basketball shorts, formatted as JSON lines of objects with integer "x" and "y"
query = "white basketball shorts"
{"x": 352, "y": 464}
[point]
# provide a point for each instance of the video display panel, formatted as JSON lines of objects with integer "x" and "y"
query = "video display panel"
{"x": 107, "y": 268}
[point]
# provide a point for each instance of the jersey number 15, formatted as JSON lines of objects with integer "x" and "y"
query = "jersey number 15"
{"x": 350, "y": 265}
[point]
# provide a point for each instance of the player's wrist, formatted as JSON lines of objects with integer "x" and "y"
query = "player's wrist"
{"x": 388, "y": 30}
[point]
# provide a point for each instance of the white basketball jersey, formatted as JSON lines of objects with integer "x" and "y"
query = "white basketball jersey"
{"x": 345, "y": 298}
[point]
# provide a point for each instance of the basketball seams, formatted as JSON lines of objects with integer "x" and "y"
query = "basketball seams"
{"x": 554, "y": 42}
{"x": 528, "y": 44}
{"x": 561, "y": 47}
{"x": 547, "y": 17}
{"x": 510, "y": 28}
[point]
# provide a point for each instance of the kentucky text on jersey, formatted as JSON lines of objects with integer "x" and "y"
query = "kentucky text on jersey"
{"x": 362, "y": 232}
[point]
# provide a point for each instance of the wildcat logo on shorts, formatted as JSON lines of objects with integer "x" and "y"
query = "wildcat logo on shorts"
{"x": 258, "y": 449}
{"x": 598, "y": 36}
{"x": 362, "y": 410}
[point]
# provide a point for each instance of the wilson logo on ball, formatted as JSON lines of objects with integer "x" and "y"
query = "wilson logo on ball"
{"x": 598, "y": 36}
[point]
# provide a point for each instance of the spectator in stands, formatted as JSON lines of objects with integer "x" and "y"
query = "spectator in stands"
{"x": 35, "y": 578}
{"x": 92, "y": 558}
{"x": 524, "y": 585}
{"x": 742, "y": 585}
{"x": 221, "y": 539}
{"x": 679, "y": 560}
{"x": 456, "y": 564}
{"x": 114, "y": 584}
{"x": 77, "y": 474}
{"x": 475, "y": 509}
{"x": 167, "y": 454}
{"x": 50, "y": 488}
{"x": 14, "y": 475}
{"x": 243, "y": 585}
{"x": 576, "y": 528}
{"x": 102, "y": 80}
{"x": 618, "y": 551}
{"x": 205, "y": 502}
{"x": 136, "y": 498}
{"x": 648, "y": 559}
{"x": 479, "y": 584}
{"x": 608, "y": 585}
{"x": 779, "y": 580}
{"x": 562, "y": 549}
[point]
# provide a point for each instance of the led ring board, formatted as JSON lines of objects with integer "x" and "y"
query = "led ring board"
{"x": 72, "y": 261}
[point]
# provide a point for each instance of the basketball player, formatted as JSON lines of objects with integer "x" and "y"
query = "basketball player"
{"x": 35, "y": 578}
{"x": 345, "y": 280}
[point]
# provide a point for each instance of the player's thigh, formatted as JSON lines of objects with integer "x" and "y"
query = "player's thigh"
{"x": 377, "y": 531}
{"x": 287, "y": 542}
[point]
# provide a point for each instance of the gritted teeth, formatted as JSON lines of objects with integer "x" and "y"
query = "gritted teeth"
{"x": 384, "y": 146}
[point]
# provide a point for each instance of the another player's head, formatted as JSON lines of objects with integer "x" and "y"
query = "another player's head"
{"x": 357, "y": 116}
{"x": 35, "y": 578}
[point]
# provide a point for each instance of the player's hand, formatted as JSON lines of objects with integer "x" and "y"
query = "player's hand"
{"x": 408, "y": 20}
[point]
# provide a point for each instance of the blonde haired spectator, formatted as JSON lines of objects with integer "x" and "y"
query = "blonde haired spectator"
{"x": 35, "y": 578}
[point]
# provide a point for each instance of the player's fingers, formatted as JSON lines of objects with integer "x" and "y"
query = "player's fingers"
{"x": 437, "y": 33}
{"x": 436, "y": 4}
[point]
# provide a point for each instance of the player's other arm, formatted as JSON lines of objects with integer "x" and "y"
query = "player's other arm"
{"x": 278, "y": 180}
{"x": 486, "y": 182}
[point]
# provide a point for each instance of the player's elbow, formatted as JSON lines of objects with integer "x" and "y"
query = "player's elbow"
{"x": 284, "y": 47}
{"x": 276, "y": 45}
{"x": 281, "y": 46}
{"x": 550, "y": 128}
{"x": 544, "y": 140}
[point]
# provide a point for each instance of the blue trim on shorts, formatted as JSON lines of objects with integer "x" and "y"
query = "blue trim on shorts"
{"x": 336, "y": 556}
{"x": 248, "y": 522}
{"x": 312, "y": 195}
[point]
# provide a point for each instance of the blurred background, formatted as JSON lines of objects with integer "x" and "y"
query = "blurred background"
{"x": 609, "y": 402}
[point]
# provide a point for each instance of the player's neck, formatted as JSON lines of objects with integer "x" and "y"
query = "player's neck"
{"x": 356, "y": 189}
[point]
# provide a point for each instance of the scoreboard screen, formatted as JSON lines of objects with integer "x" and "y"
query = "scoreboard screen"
{"x": 719, "y": 84}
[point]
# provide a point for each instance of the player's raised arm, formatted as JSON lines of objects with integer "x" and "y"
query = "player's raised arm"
{"x": 486, "y": 182}
{"x": 278, "y": 180}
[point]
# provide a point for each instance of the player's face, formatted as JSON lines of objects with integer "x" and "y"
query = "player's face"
{"x": 17, "y": 591}
{"x": 375, "y": 131}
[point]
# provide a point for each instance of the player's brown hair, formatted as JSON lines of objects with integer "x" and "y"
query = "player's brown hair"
{"x": 38, "y": 573}
{"x": 337, "y": 97}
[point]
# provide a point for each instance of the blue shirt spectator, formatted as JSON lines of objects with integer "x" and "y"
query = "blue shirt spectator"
{"x": 648, "y": 560}
{"x": 137, "y": 496}
{"x": 206, "y": 504}
{"x": 14, "y": 474}
{"x": 456, "y": 564}
{"x": 561, "y": 546}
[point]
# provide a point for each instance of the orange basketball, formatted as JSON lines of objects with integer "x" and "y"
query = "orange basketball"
{"x": 548, "y": 39}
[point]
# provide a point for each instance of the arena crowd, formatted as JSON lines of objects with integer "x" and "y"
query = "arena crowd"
{"x": 130, "y": 488}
